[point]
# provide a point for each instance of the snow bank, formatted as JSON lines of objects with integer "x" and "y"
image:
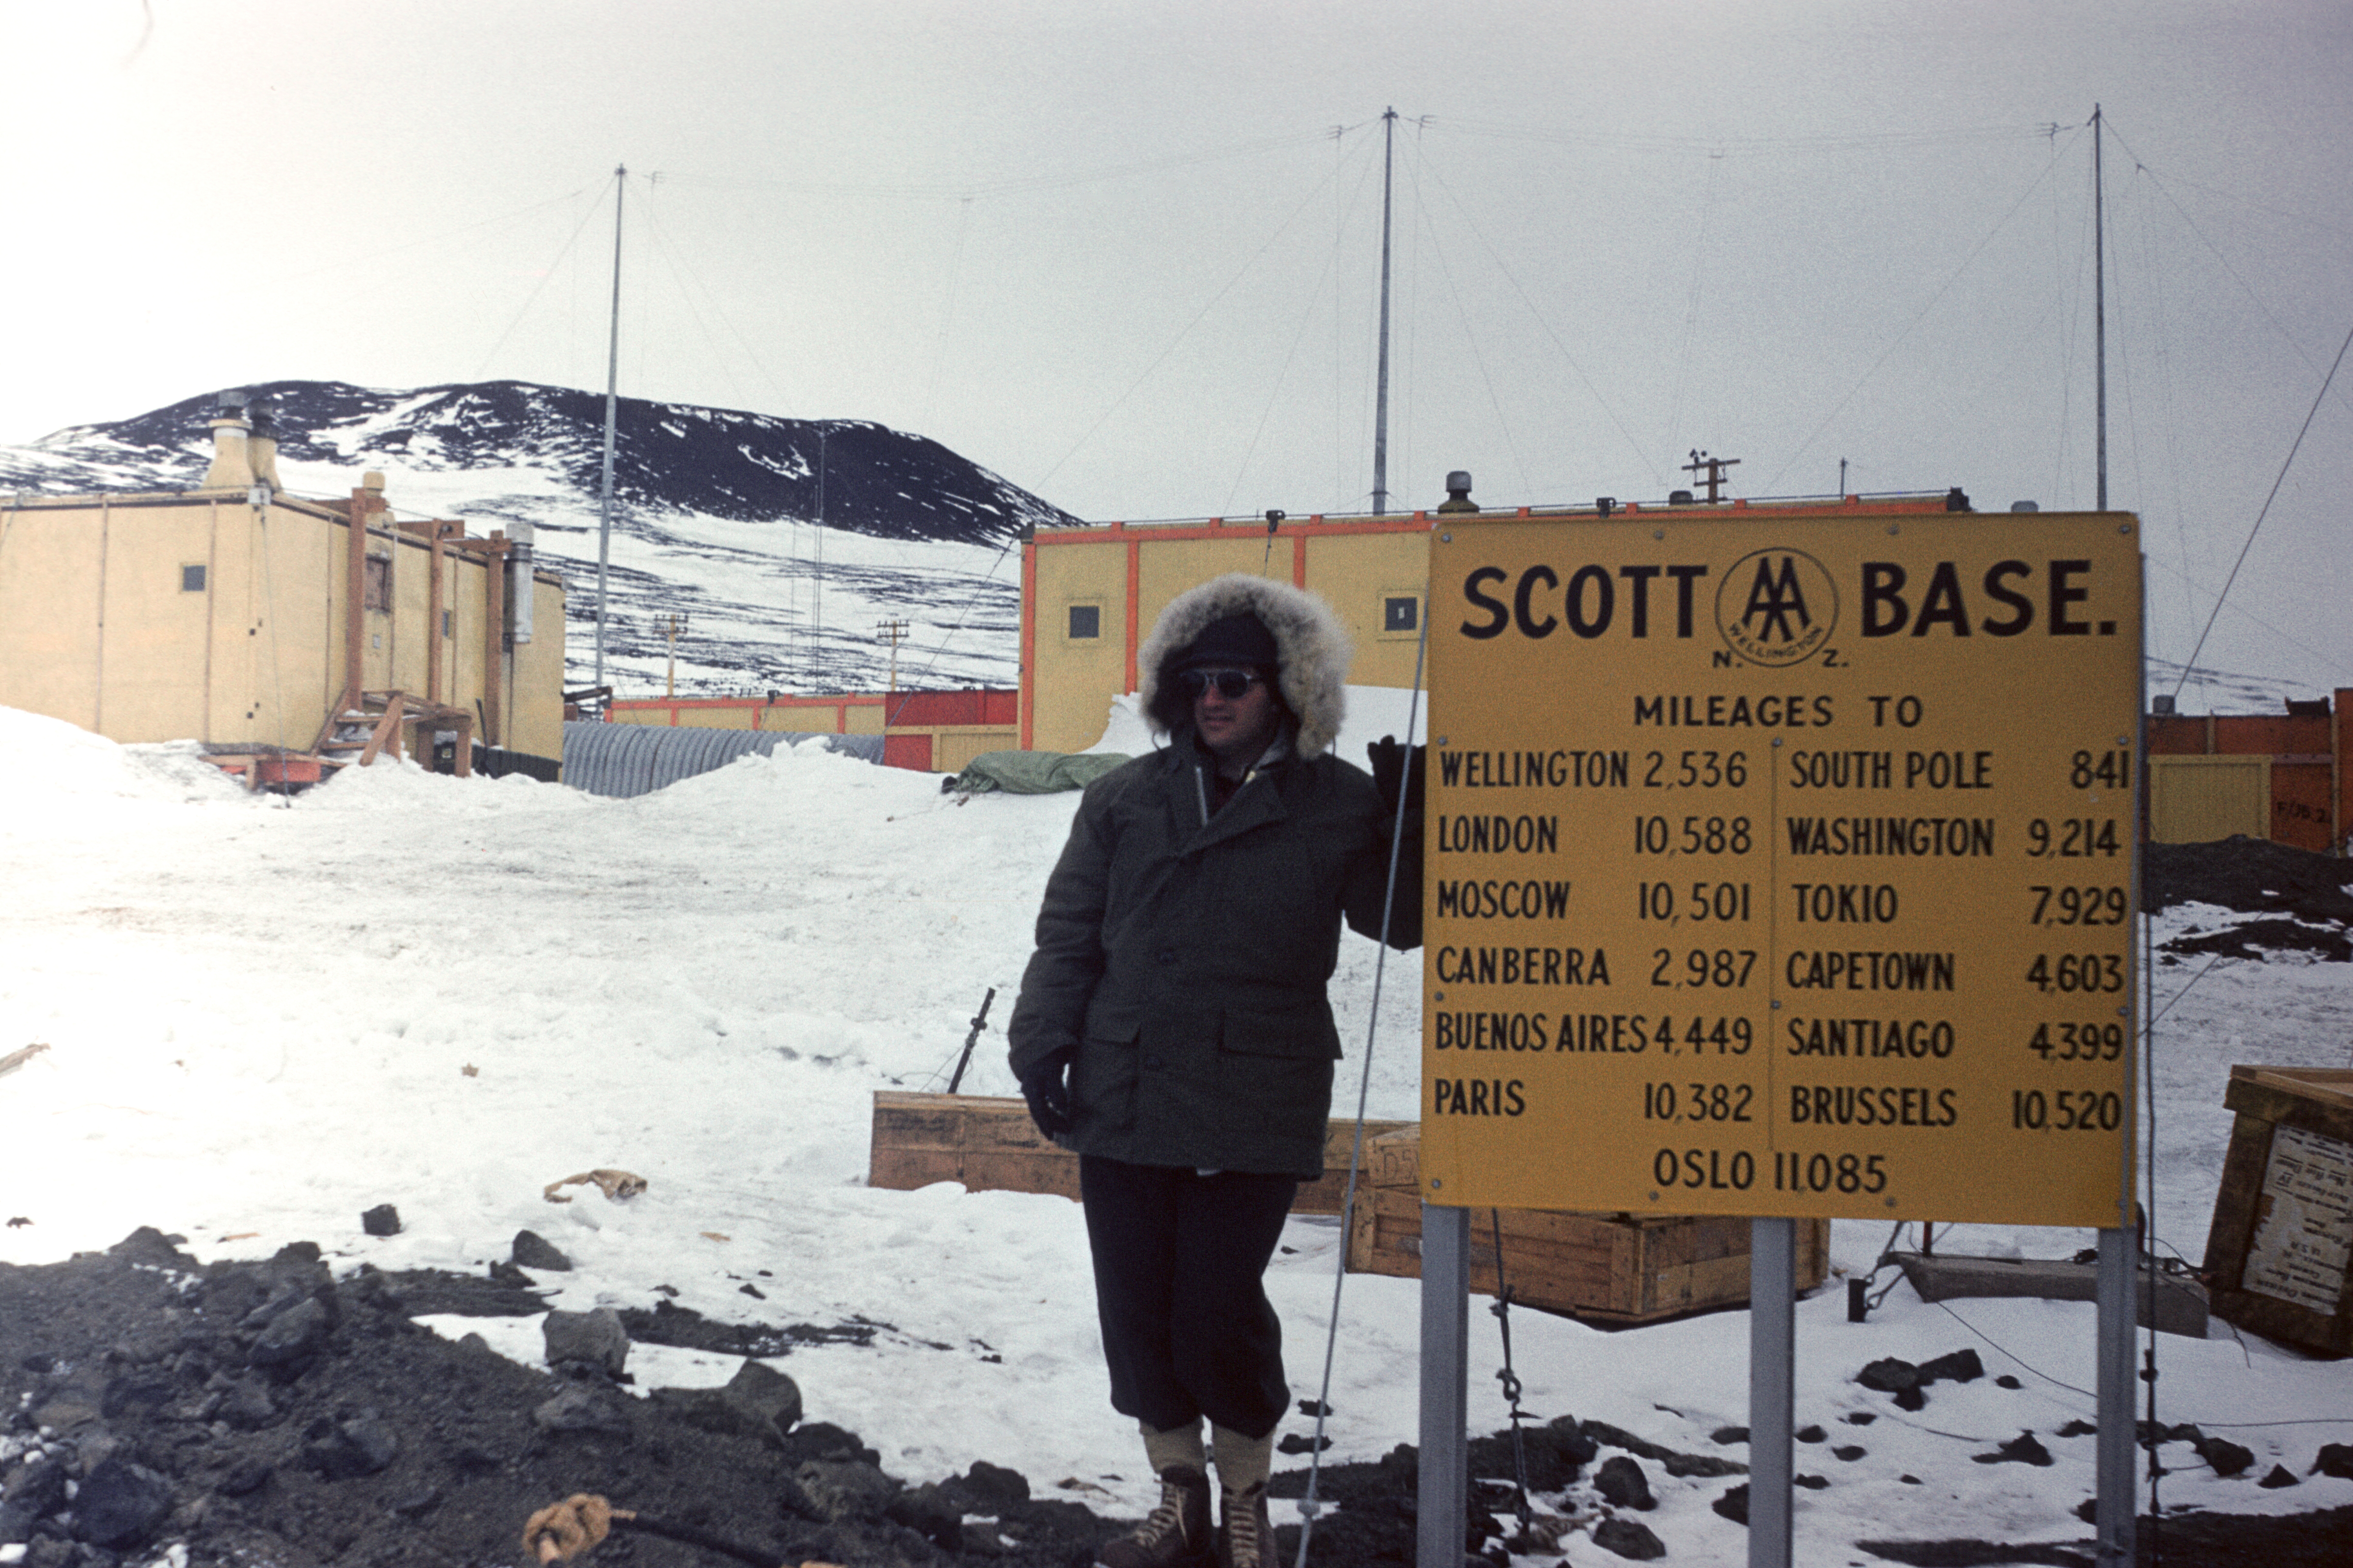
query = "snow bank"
{"x": 51, "y": 771}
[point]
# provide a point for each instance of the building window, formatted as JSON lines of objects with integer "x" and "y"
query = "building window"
{"x": 1401, "y": 612}
{"x": 192, "y": 579}
{"x": 379, "y": 580}
{"x": 1086, "y": 621}
{"x": 444, "y": 625}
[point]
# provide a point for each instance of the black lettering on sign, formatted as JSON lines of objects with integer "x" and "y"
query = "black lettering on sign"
{"x": 1871, "y": 1039}
{"x": 1944, "y": 603}
{"x": 1503, "y": 900}
{"x": 1530, "y": 628}
{"x": 1521, "y": 966}
{"x": 1809, "y": 970}
{"x": 1620, "y": 1034}
{"x": 1498, "y": 835}
{"x": 1477, "y": 1097}
{"x": 1827, "y": 1105}
{"x": 1680, "y": 711}
{"x": 1922, "y": 837}
{"x": 1537, "y": 602}
{"x": 1845, "y": 903}
{"x": 1534, "y": 769}
{"x": 1466, "y": 1031}
{"x": 1810, "y": 769}
{"x": 1472, "y": 586}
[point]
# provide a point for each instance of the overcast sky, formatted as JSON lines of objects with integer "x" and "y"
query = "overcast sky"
{"x": 1127, "y": 255}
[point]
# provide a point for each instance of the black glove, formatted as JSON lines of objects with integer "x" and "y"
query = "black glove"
{"x": 1393, "y": 762}
{"x": 1046, "y": 1086}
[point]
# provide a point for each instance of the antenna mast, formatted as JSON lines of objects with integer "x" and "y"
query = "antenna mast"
{"x": 2100, "y": 312}
{"x": 1382, "y": 397}
{"x": 612, "y": 387}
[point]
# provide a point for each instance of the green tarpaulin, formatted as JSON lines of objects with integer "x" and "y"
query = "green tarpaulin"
{"x": 1030, "y": 773}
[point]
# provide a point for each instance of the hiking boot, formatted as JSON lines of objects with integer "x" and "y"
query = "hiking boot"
{"x": 1245, "y": 1538}
{"x": 1174, "y": 1535}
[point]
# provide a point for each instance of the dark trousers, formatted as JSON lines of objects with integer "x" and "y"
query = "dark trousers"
{"x": 1187, "y": 1328}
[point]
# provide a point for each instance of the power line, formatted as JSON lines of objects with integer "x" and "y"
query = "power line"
{"x": 1933, "y": 300}
{"x": 1750, "y": 144}
{"x": 1013, "y": 187}
{"x": 2266, "y": 510}
{"x": 1186, "y": 331}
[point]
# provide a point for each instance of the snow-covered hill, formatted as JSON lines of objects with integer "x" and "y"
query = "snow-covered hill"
{"x": 715, "y": 519}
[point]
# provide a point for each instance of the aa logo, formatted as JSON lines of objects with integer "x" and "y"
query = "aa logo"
{"x": 1775, "y": 606}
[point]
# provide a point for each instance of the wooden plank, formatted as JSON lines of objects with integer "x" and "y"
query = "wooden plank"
{"x": 1599, "y": 1266}
{"x": 388, "y": 729}
{"x": 1394, "y": 1159}
{"x": 2181, "y": 1307}
{"x": 989, "y": 1143}
{"x": 2286, "y": 1321}
{"x": 2233, "y": 1229}
{"x": 2320, "y": 1099}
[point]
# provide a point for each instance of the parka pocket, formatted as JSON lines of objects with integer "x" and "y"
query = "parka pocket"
{"x": 1304, "y": 1034}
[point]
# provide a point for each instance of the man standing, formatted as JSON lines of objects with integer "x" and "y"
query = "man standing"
{"x": 1173, "y": 1027}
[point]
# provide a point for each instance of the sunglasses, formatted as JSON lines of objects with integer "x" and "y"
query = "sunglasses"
{"x": 1230, "y": 683}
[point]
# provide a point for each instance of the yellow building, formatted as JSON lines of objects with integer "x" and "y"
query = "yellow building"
{"x": 245, "y": 618}
{"x": 1090, "y": 592}
{"x": 1090, "y": 595}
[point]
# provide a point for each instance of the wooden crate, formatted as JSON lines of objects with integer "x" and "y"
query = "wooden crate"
{"x": 1610, "y": 1268}
{"x": 990, "y": 1144}
{"x": 2277, "y": 1253}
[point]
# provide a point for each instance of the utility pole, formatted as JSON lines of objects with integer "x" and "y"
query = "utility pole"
{"x": 894, "y": 632}
{"x": 676, "y": 627}
{"x": 2100, "y": 313}
{"x": 1381, "y": 393}
{"x": 1713, "y": 468}
{"x": 612, "y": 400}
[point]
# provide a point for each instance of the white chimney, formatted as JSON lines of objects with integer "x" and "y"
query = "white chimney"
{"x": 519, "y": 558}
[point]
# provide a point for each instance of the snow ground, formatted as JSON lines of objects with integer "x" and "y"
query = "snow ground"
{"x": 265, "y": 1018}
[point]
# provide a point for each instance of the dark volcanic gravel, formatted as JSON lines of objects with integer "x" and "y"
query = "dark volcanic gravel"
{"x": 271, "y": 1418}
{"x": 2308, "y": 898}
{"x": 2254, "y": 875}
{"x": 268, "y": 1415}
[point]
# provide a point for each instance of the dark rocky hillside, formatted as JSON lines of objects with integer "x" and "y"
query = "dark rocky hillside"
{"x": 711, "y": 526}
{"x": 723, "y": 463}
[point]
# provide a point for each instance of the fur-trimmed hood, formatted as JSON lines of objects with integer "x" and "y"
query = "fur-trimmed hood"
{"x": 1310, "y": 642}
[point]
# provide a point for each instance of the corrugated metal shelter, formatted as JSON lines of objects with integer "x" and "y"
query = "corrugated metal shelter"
{"x": 2280, "y": 776}
{"x": 929, "y": 731}
{"x": 624, "y": 760}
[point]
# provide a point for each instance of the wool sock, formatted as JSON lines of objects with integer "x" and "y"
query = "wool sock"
{"x": 1174, "y": 1445}
{"x": 1242, "y": 1462}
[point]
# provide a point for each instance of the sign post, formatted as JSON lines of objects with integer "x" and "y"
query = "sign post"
{"x": 1780, "y": 864}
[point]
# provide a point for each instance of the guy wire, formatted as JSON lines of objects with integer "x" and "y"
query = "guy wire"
{"x": 1309, "y": 1504}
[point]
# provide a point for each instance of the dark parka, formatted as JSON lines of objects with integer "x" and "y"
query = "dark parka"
{"x": 1183, "y": 951}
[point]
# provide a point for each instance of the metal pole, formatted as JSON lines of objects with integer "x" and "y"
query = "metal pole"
{"x": 2100, "y": 309}
{"x": 2115, "y": 1502}
{"x": 1772, "y": 1378}
{"x": 1381, "y": 396}
{"x": 612, "y": 389}
{"x": 1443, "y": 1482}
{"x": 2114, "y": 1441}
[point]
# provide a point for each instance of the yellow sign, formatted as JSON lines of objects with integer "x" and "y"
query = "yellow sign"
{"x": 1781, "y": 863}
